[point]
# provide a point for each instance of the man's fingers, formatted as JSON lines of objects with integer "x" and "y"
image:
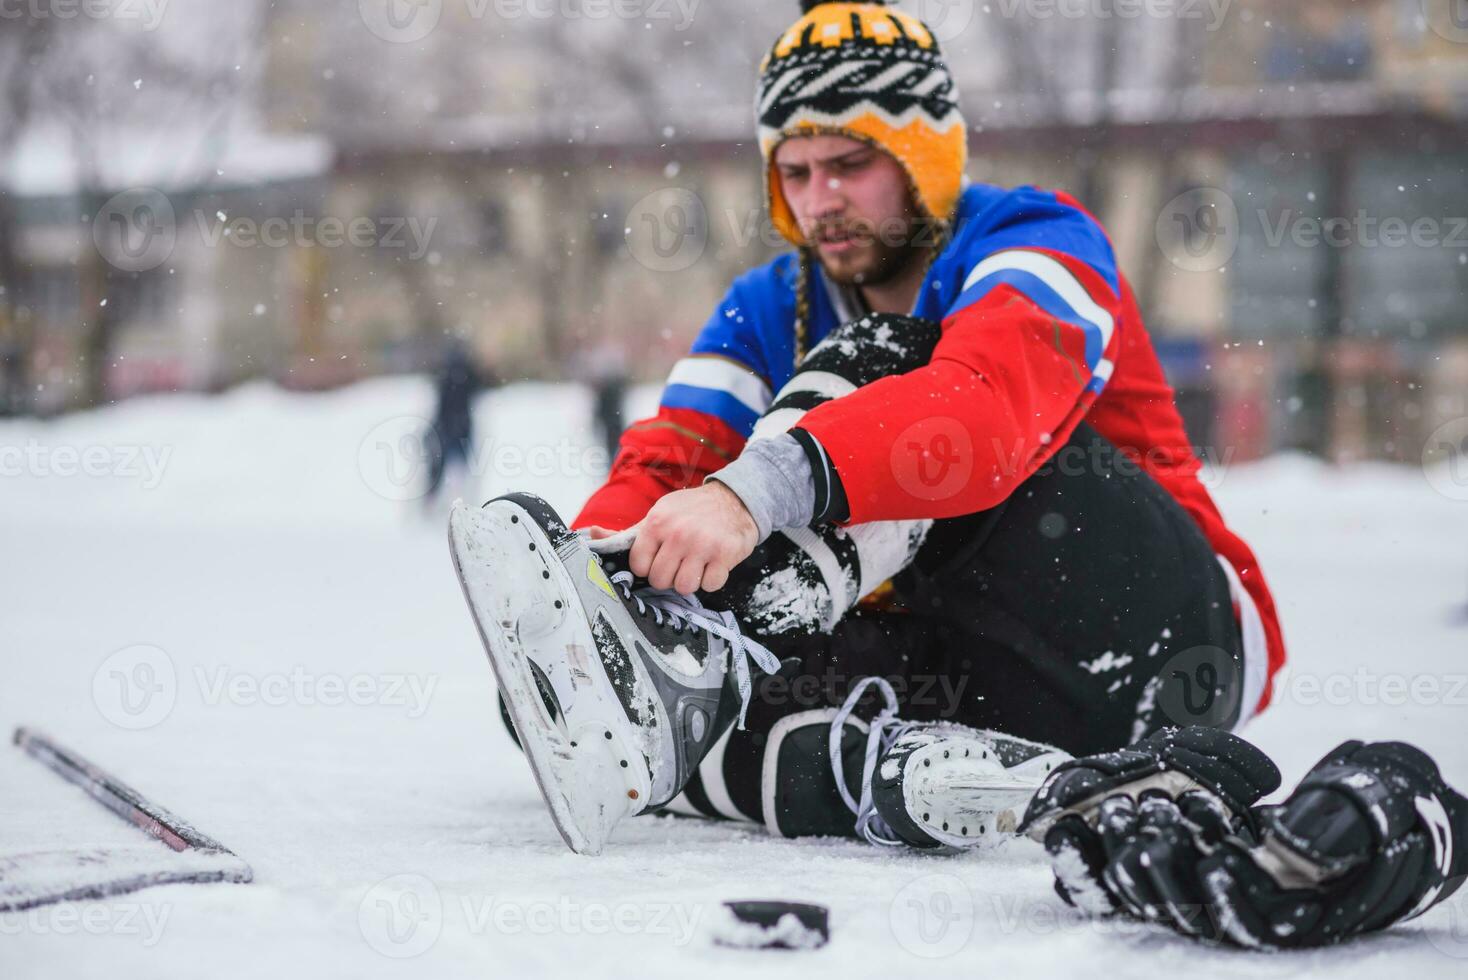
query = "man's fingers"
{"x": 690, "y": 576}
{"x": 715, "y": 576}
{"x": 644, "y": 550}
{"x": 663, "y": 570}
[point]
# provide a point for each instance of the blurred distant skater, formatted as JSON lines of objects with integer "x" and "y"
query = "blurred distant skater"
{"x": 604, "y": 368}
{"x": 450, "y": 439}
{"x": 14, "y": 392}
{"x": 611, "y": 391}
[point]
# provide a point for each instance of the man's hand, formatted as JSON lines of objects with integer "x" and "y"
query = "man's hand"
{"x": 691, "y": 539}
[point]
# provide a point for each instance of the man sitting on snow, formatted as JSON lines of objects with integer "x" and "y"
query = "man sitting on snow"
{"x": 929, "y": 456}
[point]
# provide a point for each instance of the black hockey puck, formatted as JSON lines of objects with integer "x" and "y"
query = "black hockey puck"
{"x": 773, "y": 925}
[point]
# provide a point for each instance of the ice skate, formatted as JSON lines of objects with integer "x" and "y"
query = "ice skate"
{"x": 615, "y": 693}
{"x": 933, "y": 784}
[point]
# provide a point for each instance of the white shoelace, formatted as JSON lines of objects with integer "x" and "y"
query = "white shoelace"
{"x": 885, "y": 729}
{"x": 680, "y": 609}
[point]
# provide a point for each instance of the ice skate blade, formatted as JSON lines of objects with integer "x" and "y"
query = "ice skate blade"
{"x": 527, "y": 610}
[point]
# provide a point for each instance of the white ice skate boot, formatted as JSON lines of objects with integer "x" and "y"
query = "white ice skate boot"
{"x": 616, "y": 695}
{"x": 935, "y": 784}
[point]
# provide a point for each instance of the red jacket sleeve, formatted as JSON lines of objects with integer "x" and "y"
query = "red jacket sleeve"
{"x": 673, "y": 450}
{"x": 1008, "y": 382}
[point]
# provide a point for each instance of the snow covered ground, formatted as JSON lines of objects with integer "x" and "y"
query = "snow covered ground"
{"x": 220, "y": 600}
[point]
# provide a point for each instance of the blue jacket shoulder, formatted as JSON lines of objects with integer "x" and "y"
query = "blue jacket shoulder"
{"x": 752, "y": 323}
{"x": 991, "y": 219}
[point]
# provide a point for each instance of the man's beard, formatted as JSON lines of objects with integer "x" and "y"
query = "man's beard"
{"x": 881, "y": 263}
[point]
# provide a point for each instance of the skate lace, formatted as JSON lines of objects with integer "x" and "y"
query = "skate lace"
{"x": 685, "y": 610}
{"x": 884, "y": 730}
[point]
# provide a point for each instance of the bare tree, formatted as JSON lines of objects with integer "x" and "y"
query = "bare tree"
{"x": 486, "y": 80}
{"x": 23, "y": 42}
{"x": 139, "y": 105}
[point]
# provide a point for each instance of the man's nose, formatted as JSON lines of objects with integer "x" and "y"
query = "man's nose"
{"x": 825, "y": 199}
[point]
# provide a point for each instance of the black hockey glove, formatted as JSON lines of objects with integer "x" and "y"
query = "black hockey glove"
{"x": 1180, "y": 787}
{"x": 1371, "y": 836}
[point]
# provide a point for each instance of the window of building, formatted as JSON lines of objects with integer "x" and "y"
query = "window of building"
{"x": 1406, "y": 273}
{"x": 1275, "y": 275}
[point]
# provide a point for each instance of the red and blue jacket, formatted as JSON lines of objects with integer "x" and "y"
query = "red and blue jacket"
{"x": 1039, "y": 332}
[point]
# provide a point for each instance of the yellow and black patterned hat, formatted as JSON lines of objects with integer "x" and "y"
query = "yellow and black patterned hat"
{"x": 872, "y": 73}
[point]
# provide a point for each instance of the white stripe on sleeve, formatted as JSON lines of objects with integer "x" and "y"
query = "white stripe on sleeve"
{"x": 1056, "y": 276}
{"x": 718, "y": 374}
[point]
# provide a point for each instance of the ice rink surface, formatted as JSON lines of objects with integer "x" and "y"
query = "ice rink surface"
{"x": 233, "y": 613}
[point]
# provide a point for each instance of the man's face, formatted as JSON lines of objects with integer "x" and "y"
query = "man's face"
{"x": 853, "y": 206}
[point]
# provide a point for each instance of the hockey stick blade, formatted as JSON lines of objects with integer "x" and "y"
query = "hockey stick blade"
{"x": 28, "y": 880}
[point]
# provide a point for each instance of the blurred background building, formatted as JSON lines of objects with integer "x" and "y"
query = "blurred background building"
{"x": 316, "y": 191}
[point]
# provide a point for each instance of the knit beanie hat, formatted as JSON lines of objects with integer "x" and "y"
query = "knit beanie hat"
{"x": 875, "y": 74}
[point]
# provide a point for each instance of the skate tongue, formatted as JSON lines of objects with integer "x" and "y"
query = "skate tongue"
{"x": 883, "y": 731}
{"x": 680, "y": 609}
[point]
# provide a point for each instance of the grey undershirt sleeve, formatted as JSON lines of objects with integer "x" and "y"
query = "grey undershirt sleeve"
{"x": 773, "y": 478}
